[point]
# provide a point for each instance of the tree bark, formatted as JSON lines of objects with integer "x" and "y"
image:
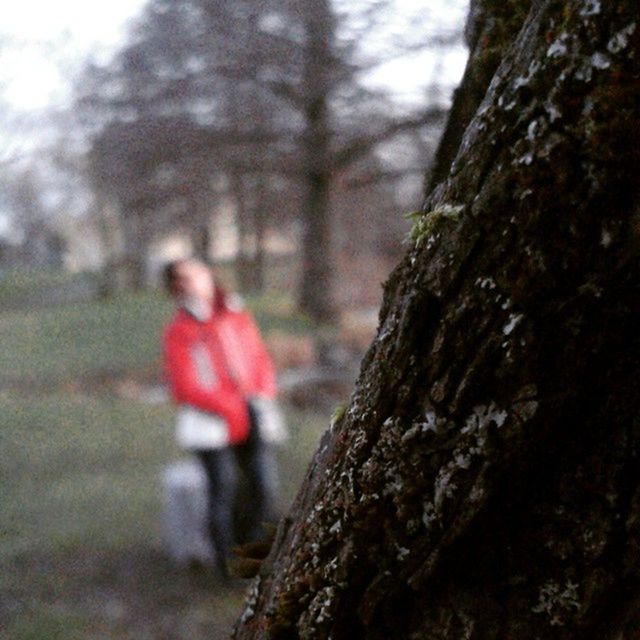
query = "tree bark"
{"x": 490, "y": 30}
{"x": 484, "y": 481}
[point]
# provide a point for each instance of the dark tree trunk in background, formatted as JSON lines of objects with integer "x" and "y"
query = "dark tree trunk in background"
{"x": 251, "y": 219}
{"x": 260, "y": 225}
{"x": 202, "y": 242}
{"x": 108, "y": 226}
{"x": 315, "y": 296}
{"x": 243, "y": 258}
{"x": 136, "y": 250}
{"x": 201, "y": 235}
{"x": 484, "y": 481}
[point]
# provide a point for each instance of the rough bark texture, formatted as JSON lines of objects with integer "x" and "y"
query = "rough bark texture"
{"x": 490, "y": 30}
{"x": 484, "y": 481}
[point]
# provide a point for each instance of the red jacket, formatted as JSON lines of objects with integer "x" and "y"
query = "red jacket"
{"x": 215, "y": 365}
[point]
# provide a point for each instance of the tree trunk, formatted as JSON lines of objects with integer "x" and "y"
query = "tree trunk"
{"x": 260, "y": 219}
{"x": 484, "y": 482}
{"x": 243, "y": 258}
{"x": 109, "y": 228}
{"x": 201, "y": 230}
{"x": 315, "y": 296}
{"x": 491, "y": 27}
{"x": 136, "y": 251}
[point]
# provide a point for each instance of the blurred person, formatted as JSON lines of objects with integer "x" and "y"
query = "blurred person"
{"x": 222, "y": 379}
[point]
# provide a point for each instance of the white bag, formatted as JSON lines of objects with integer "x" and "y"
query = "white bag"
{"x": 200, "y": 430}
{"x": 271, "y": 425}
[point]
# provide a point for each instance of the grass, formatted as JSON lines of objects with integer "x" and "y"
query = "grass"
{"x": 53, "y": 344}
{"x": 77, "y": 467}
{"x": 81, "y": 550}
{"x": 49, "y": 346}
{"x": 80, "y": 517}
{"x": 36, "y": 288}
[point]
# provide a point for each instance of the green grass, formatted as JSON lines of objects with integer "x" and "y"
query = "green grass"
{"x": 80, "y": 518}
{"x": 75, "y": 468}
{"x": 111, "y": 336}
{"x": 62, "y": 342}
{"x": 275, "y": 312}
{"x": 81, "y": 550}
{"x": 27, "y": 285}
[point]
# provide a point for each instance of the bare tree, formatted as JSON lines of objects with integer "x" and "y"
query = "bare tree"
{"x": 483, "y": 481}
{"x": 272, "y": 83}
{"x": 327, "y": 69}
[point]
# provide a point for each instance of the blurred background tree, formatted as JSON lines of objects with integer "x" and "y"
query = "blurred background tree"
{"x": 257, "y": 116}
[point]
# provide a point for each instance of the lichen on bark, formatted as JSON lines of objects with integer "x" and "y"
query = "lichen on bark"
{"x": 484, "y": 480}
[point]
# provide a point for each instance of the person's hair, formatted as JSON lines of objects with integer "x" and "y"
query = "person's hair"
{"x": 169, "y": 274}
{"x": 169, "y": 277}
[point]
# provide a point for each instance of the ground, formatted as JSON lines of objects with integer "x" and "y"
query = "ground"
{"x": 83, "y": 439}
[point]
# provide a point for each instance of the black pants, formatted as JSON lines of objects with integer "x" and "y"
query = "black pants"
{"x": 227, "y": 505}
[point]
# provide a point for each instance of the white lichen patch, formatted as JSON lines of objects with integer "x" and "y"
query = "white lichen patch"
{"x": 394, "y": 486}
{"x": 606, "y": 238}
{"x": 513, "y": 322}
{"x": 526, "y": 404}
{"x": 448, "y": 480}
{"x": 525, "y": 159}
{"x": 431, "y": 423}
{"x": 483, "y": 416}
{"x": 552, "y": 111}
{"x": 556, "y": 601}
{"x": 346, "y": 482}
{"x": 523, "y": 81}
{"x": 401, "y": 552}
{"x": 444, "y": 486}
{"x": 477, "y": 492}
{"x": 330, "y": 568}
{"x": 558, "y": 47}
{"x": 584, "y": 73}
{"x": 486, "y": 283}
{"x": 621, "y": 39}
{"x": 590, "y": 8}
{"x": 462, "y": 461}
{"x": 600, "y": 60}
{"x": 429, "y": 514}
{"x": 507, "y": 106}
{"x": 321, "y": 604}
{"x": 388, "y": 328}
{"x": 251, "y": 601}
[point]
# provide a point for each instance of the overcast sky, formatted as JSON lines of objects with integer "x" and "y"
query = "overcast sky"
{"x": 44, "y": 42}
